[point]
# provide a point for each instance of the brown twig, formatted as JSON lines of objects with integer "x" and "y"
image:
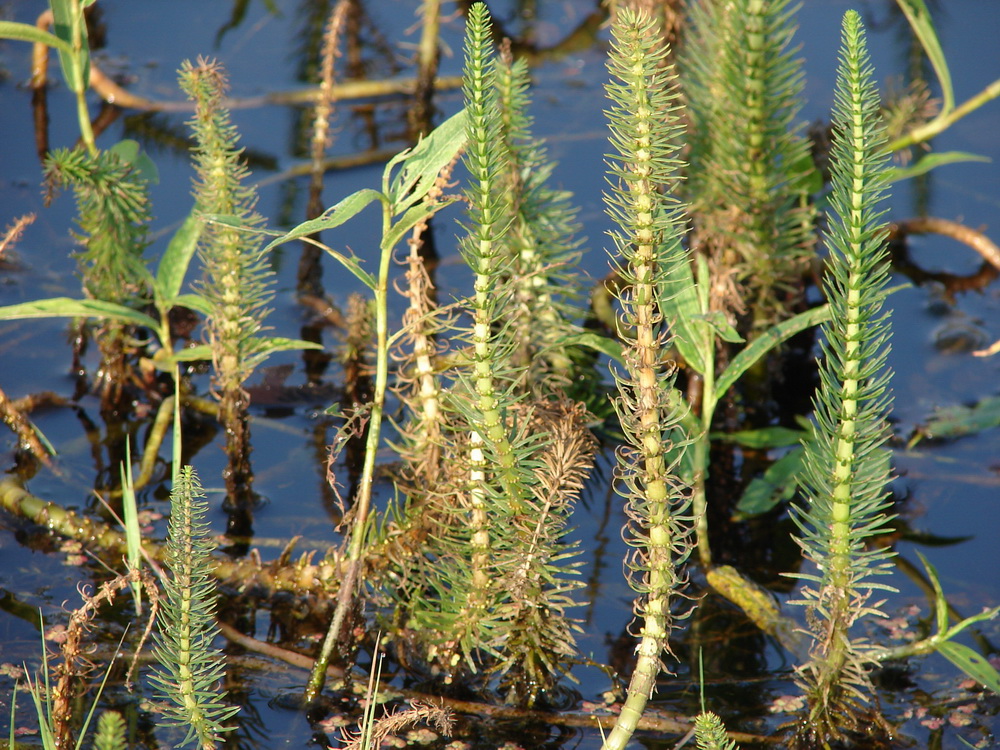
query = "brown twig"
{"x": 303, "y": 577}
{"x": 70, "y": 667}
{"x": 966, "y": 235}
{"x": 25, "y": 431}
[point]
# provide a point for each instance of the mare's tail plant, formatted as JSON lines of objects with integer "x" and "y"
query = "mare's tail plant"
{"x": 749, "y": 161}
{"x": 643, "y": 171}
{"x": 541, "y": 237}
{"x": 113, "y": 210}
{"x": 846, "y": 465}
{"x": 237, "y": 280}
{"x": 494, "y": 582}
{"x": 190, "y": 668}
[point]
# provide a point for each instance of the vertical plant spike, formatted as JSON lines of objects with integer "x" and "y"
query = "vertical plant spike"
{"x": 110, "y": 732}
{"x": 191, "y": 668}
{"x": 541, "y": 236}
{"x": 710, "y": 733}
{"x": 846, "y": 467}
{"x": 484, "y": 252}
{"x": 749, "y": 162}
{"x": 237, "y": 279}
{"x": 494, "y": 470}
{"x": 643, "y": 170}
{"x": 113, "y": 215}
{"x": 492, "y": 584}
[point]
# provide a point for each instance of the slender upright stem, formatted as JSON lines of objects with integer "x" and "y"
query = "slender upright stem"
{"x": 362, "y": 503}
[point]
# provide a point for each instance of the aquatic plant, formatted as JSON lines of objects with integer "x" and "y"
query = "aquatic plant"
{"x": 643, "y": 175}
{"x": 236, "y": 278}
{"x": 491, "y": 586}
{"x": 846, "y": 464}
{"x": 473, "y": 556}
{"x": 190, "y": 667}
{"x": 749, "y": 178}
{"x": 113, "y": 215}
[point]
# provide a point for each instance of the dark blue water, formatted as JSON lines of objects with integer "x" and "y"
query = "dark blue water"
{"x": 951, "y": 488}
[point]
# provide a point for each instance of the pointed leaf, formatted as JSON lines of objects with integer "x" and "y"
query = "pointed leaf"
{"x": 347, "y": 209}
{"x": 334, "y": 217}
{"x": 199, "y": 353}
{"x": 280, "y": 344}
{"x": 130, "y": 152}
{"x": 25, "y": 32}
{"x": 194, "y": 302}
{"x": 721, "y": 327}
{"x": 931, "y": 161}
{"x": 423, "y": 162}
{"x": 681, "y": 305}
{"x": 956, "y": 421}
{"x": 601, "y": 344}
{"x": 765, "y": 437}
{"x": 765, "y": 342}
{"x": 75, "y": 64}
{"x": 776, "y": 485}
{"x": 923, "y": 27}
{"x": 975, "y": 665}
{"x": 176, "y": 258}
{"x": 65, "y": 307}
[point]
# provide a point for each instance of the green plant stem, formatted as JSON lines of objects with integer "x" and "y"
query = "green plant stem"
{"x": 644, "y": 132}
{"x": 83, "y": 115}
{"x": 80, "y": 62}
{"x": 362, "y": 503}
{"x": 702, "y": 447}
{"x": 946, "y": 119}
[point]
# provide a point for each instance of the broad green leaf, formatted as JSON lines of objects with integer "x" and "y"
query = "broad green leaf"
{"x": 174, "y": 264}
{"x": 194, "y": 302}
{"x": 75, "y": 64}
{"x": 931, "y": 161}
{"x": 25, "y": 32}
{"x": 130, "y": 152}
{"x": 601, "y": 344}
{"x": 765, "y": 437}
{"x": 422, "y": 163}
{"x": 721, "y": 327}
{"x": 776, "y": 485}
{"x": 334, "y": 217}
{"x": 974, "y": 664}
{"x": 681, "y": 306}
{"x": 65, "y": 307}
{"x": 765, "y": 342}
{"x": 279, "y": 344}
{"x": 956, "y": 421}
{"x": 198, "y": 353}
{"x": 923, "y": 26}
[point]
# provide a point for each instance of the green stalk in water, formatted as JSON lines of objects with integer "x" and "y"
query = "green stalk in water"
{"x": 846, "y": 466}
{"x": 643, "y": 172}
